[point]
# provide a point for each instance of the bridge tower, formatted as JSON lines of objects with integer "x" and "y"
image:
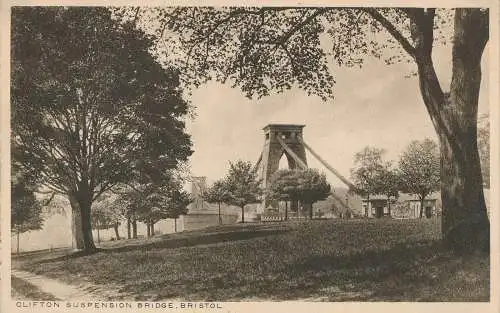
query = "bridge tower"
{"x": 281, "y": 139}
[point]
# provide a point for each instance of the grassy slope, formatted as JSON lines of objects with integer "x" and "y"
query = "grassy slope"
{"x": 22, "y": 290}
{"x": 332, "y": 260}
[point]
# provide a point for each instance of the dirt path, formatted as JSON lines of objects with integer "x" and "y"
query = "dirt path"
{"x": 59, "y": 289}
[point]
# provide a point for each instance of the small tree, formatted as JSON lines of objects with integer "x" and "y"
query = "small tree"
{"x": 107, "y": 213}
{"x": 312, "y": 187}
{"x": 283, "y": 187}
{"x": 388, "y": 184}
{"x": 124, "y": 204}
{"x": 150, "y": 203}
{"x": 420, "y": 169}
{"x": 217, "y": 193}
{"x": 243, "y": 186}
{"x": 99, "y": 222}
{"x": 149, "y": 206}
{"x": 307, "y": 186}
{"x": 178, "y": 205}
{"x": 26, "y": 211}
{"x": 368, "y": 166}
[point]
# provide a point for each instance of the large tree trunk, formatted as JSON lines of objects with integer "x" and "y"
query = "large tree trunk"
{"x": 243, "y": 214}
{"x": 465, "y": 225}
{"x": 148, "y": 229}
{"x": 76, "y": 223}
{"x": 465, "y": 221}
{"x": 88, "y": 240}
{"x": 152, "y": 228}
{"x": 84, "y": 198}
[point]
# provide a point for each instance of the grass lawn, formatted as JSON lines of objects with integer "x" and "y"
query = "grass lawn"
{"x": 323, "y": 260}
{"x": 21, "y": 289}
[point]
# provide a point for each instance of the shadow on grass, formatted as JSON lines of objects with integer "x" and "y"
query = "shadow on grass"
{"x": 213, "y": 238}
{"x": 422, "y": 271}
{"x": 179, "y": 242}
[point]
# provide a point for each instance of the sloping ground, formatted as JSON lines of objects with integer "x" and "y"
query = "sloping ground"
{"x": 24, "y": 290}
{"x": 329, "y": 260}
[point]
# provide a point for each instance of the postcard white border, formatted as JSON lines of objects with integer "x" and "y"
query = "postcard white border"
{"x": 288, "y": 307}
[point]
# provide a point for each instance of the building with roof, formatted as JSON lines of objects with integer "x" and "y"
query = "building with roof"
{"x": 404, "y": 206}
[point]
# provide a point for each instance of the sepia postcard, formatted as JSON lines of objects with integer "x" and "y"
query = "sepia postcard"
{"x": 223, "y": 156}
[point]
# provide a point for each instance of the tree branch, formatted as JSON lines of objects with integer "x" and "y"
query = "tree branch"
{"x": 391, "y": 29}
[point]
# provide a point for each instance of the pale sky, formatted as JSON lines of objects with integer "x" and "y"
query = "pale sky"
{"x": 375, "y": 105}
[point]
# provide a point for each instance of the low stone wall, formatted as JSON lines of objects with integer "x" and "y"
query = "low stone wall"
{"x": 199, "y": 221}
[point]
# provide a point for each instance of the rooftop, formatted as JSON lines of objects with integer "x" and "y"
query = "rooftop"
{"x": 283, "y": 126}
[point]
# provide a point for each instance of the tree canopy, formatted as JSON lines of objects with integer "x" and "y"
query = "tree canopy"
{"x": 420, "y": 169}
{"x": 368, "y": 170}
{"x": 91, "y": 107}
{"x": 26, "y": 211}
{"x": 307, "y": 186}
{"x": 243, "y": 185}
{"x": 151, "y": 203}
{"x": 218, "y": 192}
{"x": 283, "y": 186}
{"x": 389, "y": 181}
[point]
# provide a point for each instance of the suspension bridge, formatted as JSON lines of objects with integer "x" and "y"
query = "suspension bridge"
{"x": 288, "y": 140}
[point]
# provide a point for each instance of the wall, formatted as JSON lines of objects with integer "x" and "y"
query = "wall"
{"x": 162, "y": 227}
{"x": 56, "y": 233}
{"x": 198, "y": 221}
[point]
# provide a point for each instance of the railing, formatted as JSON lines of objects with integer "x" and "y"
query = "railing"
{"x": 280, "y": 216}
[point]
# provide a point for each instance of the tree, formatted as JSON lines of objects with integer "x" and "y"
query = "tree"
{"x": 146, "y": 203}
{"x": 217, "y": 193}
{"x": 389, "y": 184}
{"x": 268, "y": 49}
{"x": 150, "y": 203}
{"x": 483, "y": 137}
{"x": 243, "y": 185}
{"x": 122, "y": 203}
{"x": 419, "y": 167}
{"x": 99, "y": 221}
{"x": 91, "y": 107}
{"x": 107, "y": 213}
{"x": 178, "y": 205}
{"x": 26, "y": 212}
{"x": 307, "y": 186}
{"x": 283, "y": 187}
{"x": 367, "y": 171}
{"x": 312, "y": 187}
